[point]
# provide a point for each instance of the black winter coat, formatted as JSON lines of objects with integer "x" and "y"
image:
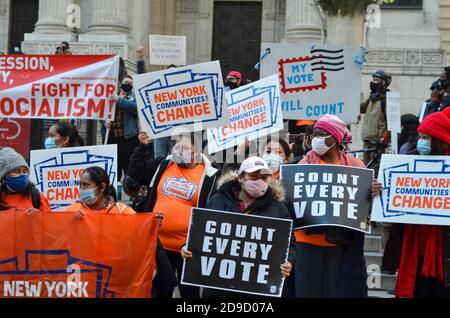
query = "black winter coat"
{"x": 270, "y": 205}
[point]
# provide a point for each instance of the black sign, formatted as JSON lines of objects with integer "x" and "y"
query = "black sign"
{"x": 237, "y": 252}
{"x": 328, "y": 195}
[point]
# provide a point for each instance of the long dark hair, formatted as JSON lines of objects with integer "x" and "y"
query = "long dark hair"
{"x": 98, "y": 176}
{"x": 65, "y": 129}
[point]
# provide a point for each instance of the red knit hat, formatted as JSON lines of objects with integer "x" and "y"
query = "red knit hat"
{"x": 437, "y": 125}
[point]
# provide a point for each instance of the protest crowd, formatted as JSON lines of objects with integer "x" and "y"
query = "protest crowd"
{"x": 251, "y": 204}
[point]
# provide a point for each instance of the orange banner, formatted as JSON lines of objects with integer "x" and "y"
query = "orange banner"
{"x": 69, "y": 255}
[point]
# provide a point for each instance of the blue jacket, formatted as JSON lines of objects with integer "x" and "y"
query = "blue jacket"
{"x": 129, "y": 107}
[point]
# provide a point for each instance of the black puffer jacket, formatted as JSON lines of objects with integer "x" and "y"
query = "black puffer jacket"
{"x": 270, "y": 205}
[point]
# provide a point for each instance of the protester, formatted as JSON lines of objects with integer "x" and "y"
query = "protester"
{"x": 251, "y": 191}
{"x": 276, "y": 153}
{"x": 440, "y": 97}
{"x": 124, "y": 129}
{"x": 330, "y": 261}
{"x": 233, "y": 80}
{"x": 186, "y": 165}
{"x": 17, "y": 193}
{"x": 65, "y": 48}
{"x": 421, "y": 253}
{"x": 375, "y": 123}
{"x": 407, "y": 140}
{"x": 63, "y": 135}
{"x": 97, "y": 195}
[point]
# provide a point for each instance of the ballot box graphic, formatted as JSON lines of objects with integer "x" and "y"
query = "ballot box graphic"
{"x": 53, "y": 274}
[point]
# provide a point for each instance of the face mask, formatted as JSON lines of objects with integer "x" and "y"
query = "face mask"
{"x": 50, "y": 143}
{"x": 319, "y": 146}
{"x": 17, "y": 184}
{"x": 375, "y": 87}
{"x": 256, "y": 189}
{"x": 183, "y": 160}
{"x": 126, "y": 87}
{"x": 424, "y": 147}
{"x": 232, "y": 85}
{"x": 274, "y": 161}
{"x": 88, "y": 196}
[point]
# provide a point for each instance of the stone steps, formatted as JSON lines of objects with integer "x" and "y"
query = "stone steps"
{"x": 381, "y": 285}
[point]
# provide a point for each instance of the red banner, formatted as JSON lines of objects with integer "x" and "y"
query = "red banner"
{"x": 58, "y": 86}
{"x": 15, "y": 133}
{"x": 69, "y": 255}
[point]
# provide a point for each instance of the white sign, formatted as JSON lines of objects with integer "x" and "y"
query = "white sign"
{"x": 416, "y": 190}
{"x": 167, "y": 50}
{"x": 316, "y": 80}
{"x": 57, "y": 172}
{"x": 179, "y": 100}
{"x": 254, "y": 111}
{"x": 393, "y": 118}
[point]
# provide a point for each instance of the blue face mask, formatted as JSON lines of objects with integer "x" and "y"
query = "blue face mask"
{"x": 50, "y": 143}
{"x": 424, "y": 147}
{"x": 87, "y": 196}
{"x": 18, "y": 184}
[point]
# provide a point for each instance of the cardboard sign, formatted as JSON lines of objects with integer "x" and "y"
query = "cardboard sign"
{"x": 417, "y": 190}
{"x": 167, "y": 50}
{"x": 180, "y": 100}
{"x": 237, "y": 252}
{"x": 57, "y": 172}
{"x": 316, "y": 81}
{"x": 254, "y": 111}
{"x": 67, "y": 255}
{"x": 321, "y": 195}
{"x": 58, "y": 86}
{"x": 393, "y": 118}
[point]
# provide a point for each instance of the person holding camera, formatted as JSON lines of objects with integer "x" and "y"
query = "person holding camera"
{"x": 64, "y": 49}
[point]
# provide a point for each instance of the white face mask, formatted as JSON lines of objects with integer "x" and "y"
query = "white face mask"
{"x": 319, "y": 146}
{"x": 274, "y": 162}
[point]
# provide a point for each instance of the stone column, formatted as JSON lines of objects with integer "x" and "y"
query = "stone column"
{"x": 303, "y": 25}
{"x": 53, "y": 17}
{"x": 109, "y": 17}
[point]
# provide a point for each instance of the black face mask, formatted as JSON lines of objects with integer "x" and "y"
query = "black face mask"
{"x": 231, "y": 85}
{"x": 126, "y": 87}
{"x": 376, "y": 87}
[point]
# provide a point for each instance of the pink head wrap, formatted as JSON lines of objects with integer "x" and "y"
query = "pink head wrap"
{"x": 336, "y": 127}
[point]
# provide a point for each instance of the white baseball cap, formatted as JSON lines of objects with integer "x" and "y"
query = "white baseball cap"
{"x": 254, "y": 164}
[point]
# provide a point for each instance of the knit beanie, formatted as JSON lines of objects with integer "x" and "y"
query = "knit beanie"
{"x": 336, "y": 127}
{"x": 437, "y": 125}
{"x": 10, "y": 160}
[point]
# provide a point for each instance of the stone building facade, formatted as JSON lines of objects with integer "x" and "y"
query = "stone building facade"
{"x": 411, "y": 43}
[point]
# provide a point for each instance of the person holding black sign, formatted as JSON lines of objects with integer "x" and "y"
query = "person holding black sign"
{"x": 176, "y": 184}
{"x": 330, "y": 260}
{"x": 253, "y": 191}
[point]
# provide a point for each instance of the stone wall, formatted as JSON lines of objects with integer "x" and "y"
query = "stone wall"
{"x": 4, "y": 25}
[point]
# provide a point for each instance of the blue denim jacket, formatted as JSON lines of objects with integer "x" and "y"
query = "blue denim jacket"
{"x": 129, "y": 107}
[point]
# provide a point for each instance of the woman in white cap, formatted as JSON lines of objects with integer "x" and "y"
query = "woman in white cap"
{"x": 253, "y": 191}
{"x": 17, "y": 193}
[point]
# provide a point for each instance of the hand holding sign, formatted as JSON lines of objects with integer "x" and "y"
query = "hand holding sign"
{"x": 144, "y": 138}
{"x": 286, "y": 269}
{"x": 377, "y": 187}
